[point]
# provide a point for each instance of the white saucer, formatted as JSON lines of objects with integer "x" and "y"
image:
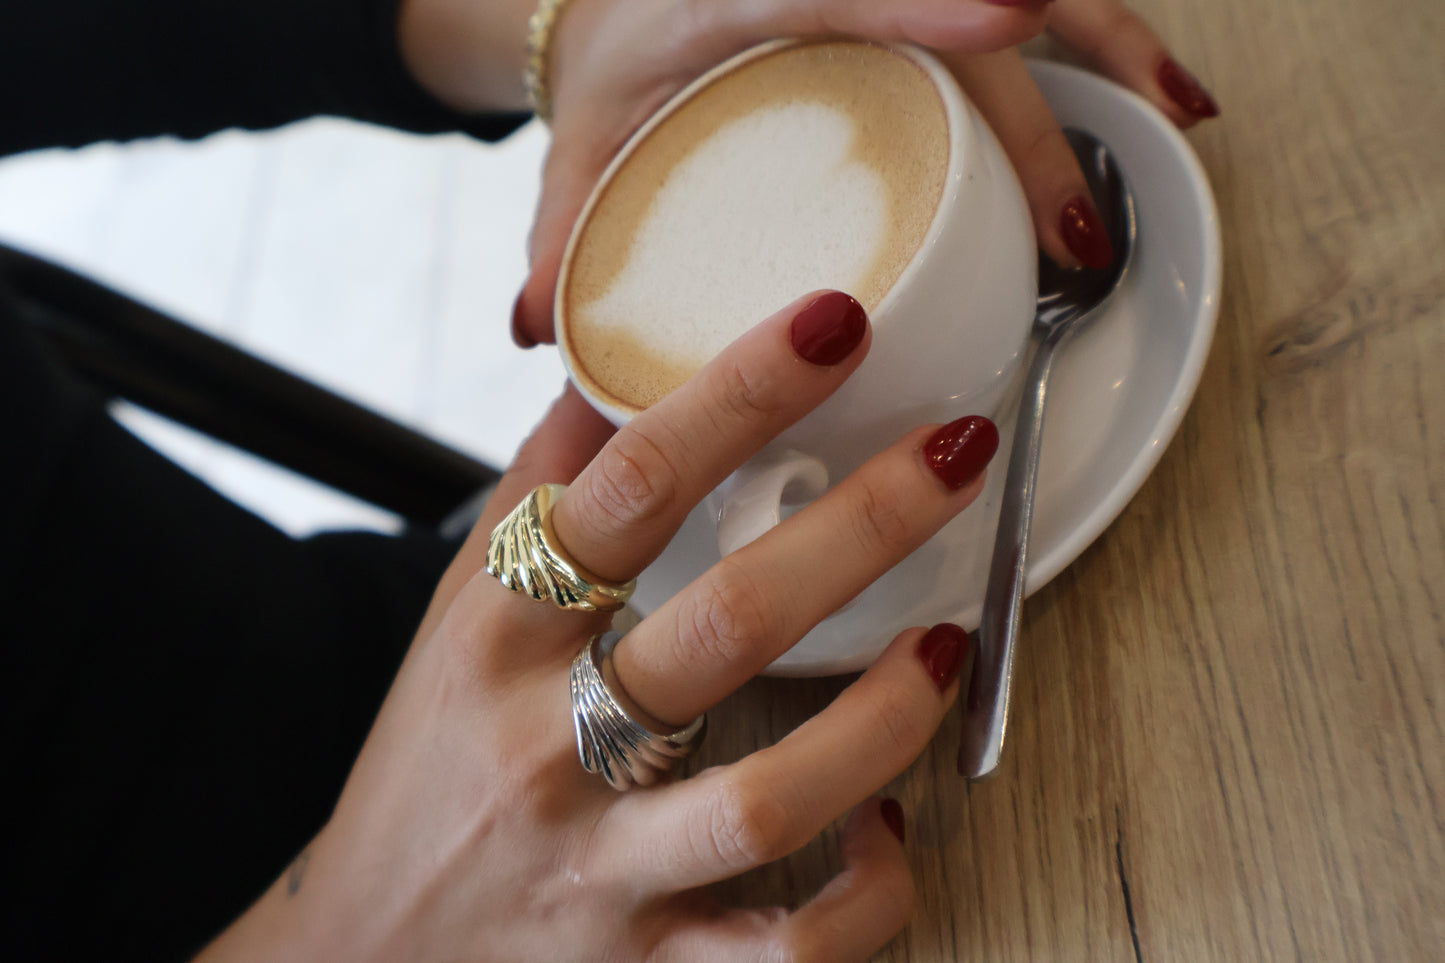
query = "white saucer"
{"x": 1117, "y": 395}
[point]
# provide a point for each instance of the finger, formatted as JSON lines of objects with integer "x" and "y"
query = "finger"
{"x": 576, "y": 159}
{"x": 1121, "y": 45}
{"x": 973, "y": 26}
{"x": 626, "y": 505}
{"x": 734, "y": 818}
{"x": 568, "y": 436}
{"x": 755, "y": 604}
{"x": 869, "y": 902}
{"x": 854, "y": 916}
{"x": 1066, "y": 221}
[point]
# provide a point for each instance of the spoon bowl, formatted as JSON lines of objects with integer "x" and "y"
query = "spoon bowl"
{"x": 1068, "y": 299}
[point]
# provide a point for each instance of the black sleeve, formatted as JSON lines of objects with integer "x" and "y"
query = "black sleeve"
{"x": 77, "y": 71}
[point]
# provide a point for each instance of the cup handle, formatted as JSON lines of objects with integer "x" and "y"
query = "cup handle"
{"x": 750, "y": 501}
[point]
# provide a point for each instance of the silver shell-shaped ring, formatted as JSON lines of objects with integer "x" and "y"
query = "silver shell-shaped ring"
{"x": 610, "y": 740}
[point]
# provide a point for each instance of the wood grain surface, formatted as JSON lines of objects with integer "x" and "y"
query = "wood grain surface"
{"x": 1228, "y": 740}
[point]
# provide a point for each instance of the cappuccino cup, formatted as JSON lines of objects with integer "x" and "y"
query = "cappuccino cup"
{"x": 795, "y": 166}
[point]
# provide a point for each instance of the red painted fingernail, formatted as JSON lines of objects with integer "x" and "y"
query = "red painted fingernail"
{"x": 892, "y": 812}
{"x": 1084, "y": 233}
{"x": 519, "y": 336}
{"x": 941, "y": 652}
{"x": 1181, "y": 87}
{"x": 828, "y": 328}
{"x": 960, "y": 450}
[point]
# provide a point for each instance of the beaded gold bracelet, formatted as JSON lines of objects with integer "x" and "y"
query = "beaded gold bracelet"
{"x": 539, "y": 42}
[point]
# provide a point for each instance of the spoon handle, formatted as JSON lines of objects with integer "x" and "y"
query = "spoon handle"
{"x": 985, "y": 712}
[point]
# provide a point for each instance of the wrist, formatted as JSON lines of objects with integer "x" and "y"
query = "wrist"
{"x": 292, "y": 920}
{"x": 469, "y": 55}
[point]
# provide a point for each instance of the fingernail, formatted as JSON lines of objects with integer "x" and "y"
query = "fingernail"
{"x": 941, "y": 653}
{"x": 1181, "y": 87}
{"x": 828, "y": 328}
{"x": 960, "y": 450}
{"x": 1084, "y": 233}
{"x": 892, "y": 812}
{"x": 519, "y": 335}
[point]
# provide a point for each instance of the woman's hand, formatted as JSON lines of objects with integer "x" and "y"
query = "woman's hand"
{"x": 468, "y": 828}
{"x": 1112, "y": 38}
{"x": 614, "y": 62}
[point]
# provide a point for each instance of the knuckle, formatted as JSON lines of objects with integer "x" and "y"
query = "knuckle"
{"x": 786, "y": 946}
{"x": 880, "y": 522}
{"x": 890, "y": 895}
{"x": 799, "y": 944}
{"x": 725, "y": 619}
{"x": 894, "y": 897}
{"x": 1047, "y": 148}
{"x": 633, "y": 480}
{"x": 747, "y": 825}
{"x": 1121, "y": 22}
{"x": 892, "y": 715}
{"x": 743, "y": 397}
{"x": 901, "y": 895}
{"x": 815, "y": 943}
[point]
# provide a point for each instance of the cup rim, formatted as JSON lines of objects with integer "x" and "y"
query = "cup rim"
{"x": 960, "y": 138}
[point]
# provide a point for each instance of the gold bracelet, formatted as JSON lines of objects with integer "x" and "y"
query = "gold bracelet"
{"x": 539, "y": 43}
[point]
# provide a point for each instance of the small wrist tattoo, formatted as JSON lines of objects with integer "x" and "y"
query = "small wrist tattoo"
{"x": 297, "y": 872}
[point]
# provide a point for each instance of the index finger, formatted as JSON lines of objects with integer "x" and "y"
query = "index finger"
{"x": 627, "y": 504}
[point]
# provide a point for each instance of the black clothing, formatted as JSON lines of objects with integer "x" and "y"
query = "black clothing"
{"x": 184, "y": 686}
{"x": 78, "y": 71}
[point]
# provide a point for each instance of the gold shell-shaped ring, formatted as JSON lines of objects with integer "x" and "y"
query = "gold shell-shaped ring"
{"x": 524, "y": 554}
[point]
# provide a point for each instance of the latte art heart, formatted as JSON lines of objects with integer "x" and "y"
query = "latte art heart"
{"x": 787, "y": 209}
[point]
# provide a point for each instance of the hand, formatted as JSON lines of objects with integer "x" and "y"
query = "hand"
{"x": 1112, "y": 38}
{"x": 468, "y": 828}
{"x": 614, "y": 63}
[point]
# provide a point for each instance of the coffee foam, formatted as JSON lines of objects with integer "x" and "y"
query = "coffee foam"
{"x": 819, "y": 166}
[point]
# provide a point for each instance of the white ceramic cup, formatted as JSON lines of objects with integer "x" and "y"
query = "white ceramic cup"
{"x": 948, "y": 338}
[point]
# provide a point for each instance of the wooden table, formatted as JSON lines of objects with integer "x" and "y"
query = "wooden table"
{"x": 1229, "y": 733}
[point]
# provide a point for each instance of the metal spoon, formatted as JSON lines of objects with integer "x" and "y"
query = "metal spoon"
{"x": 1068, "y": 299}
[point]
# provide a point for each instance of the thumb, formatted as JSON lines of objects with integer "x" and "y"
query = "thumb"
{"x": 572, "y": 168}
